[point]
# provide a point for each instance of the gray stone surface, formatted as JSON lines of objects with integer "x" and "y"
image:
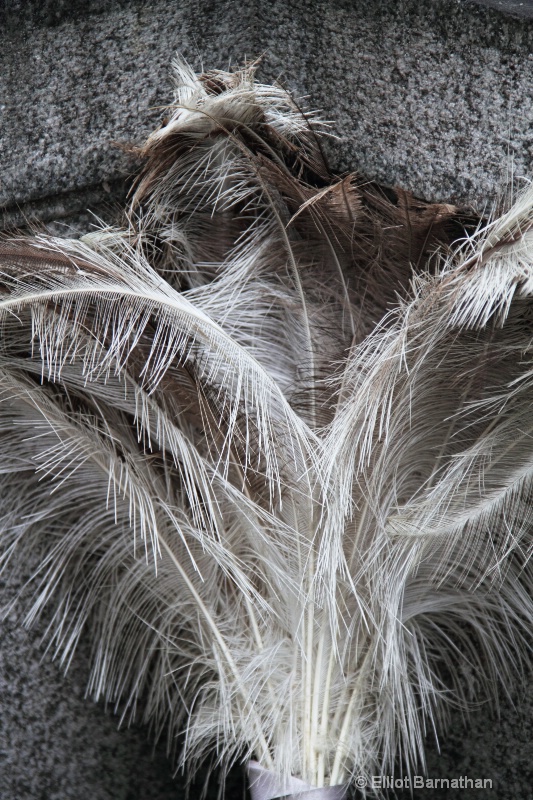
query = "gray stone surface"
{"x": 83, "y": 79}
{"x": 433, "y": 95}
{"x": 517, "y": 8}
{"x": 55, "y": 744}
{"x": 430, "y": 94}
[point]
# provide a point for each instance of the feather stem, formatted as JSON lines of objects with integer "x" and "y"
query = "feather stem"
{"x": 265, "y": 750}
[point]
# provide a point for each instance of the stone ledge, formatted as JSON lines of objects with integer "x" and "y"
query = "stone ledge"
{"x": 433, "y": 95}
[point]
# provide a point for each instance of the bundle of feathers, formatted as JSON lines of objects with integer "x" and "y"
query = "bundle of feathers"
{"x": 271, "y": 444}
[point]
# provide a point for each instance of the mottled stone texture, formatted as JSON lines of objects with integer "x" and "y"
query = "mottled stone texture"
{"x": 516, "y": 8}
{"x": 433, "y": 95}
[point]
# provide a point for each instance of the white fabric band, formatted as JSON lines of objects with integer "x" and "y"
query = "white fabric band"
{"x": 265, "y": 785}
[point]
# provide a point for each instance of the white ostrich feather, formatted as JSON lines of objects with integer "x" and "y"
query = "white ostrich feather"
{"x": 273, "y": 442}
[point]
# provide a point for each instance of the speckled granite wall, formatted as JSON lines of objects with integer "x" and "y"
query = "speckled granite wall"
{"x": 435, "y": 95}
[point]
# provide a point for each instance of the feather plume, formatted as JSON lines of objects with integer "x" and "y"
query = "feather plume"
{"x": 271, "y": 440}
